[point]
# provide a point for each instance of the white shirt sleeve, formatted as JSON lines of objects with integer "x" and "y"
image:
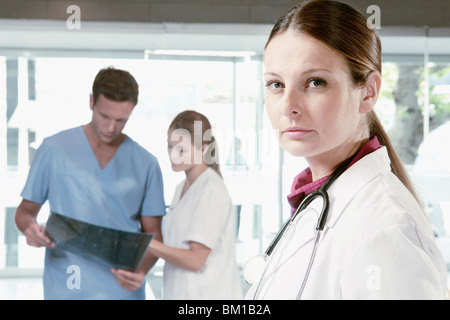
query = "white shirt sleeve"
{"x": 210, "y": 214}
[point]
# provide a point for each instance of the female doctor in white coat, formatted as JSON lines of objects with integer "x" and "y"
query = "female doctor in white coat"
{"x": 322, "y": 76}
{"x": 198, "y": 230}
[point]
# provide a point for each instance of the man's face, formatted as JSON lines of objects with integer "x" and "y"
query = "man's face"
{"x": 109, "y": 118}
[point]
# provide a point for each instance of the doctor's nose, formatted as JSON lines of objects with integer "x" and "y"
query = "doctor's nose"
{"x": 111, "y": 126}
{"x": 292, "y": 103}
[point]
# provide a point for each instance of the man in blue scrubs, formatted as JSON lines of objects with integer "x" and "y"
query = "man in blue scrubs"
{"x": 96, "y": 174}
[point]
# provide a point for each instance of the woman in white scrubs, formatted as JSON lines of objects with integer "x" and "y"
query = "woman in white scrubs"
{"x": 198, "y": 231}
{"x": 323, "y": 76}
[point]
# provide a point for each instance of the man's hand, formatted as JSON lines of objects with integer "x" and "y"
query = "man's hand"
{"x": 36, "y": 236}
{"x": 129, "y": 280}
{"x": 26, "y": 216}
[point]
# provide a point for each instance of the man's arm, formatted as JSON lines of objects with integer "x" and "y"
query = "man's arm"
{"x": 133, "y": 280}
{"x": 26, "y": 221}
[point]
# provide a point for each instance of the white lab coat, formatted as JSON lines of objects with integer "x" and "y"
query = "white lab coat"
{"x": 204, "y": 215}
{"x": 377, "y": 244}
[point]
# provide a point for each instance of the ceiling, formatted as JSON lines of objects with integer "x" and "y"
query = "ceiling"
{"x": 22, "y": 37}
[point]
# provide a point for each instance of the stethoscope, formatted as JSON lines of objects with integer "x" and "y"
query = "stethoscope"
{"x": 259, "y": 265}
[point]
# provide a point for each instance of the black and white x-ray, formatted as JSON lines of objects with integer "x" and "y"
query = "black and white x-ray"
{"x": 116, "y": 248}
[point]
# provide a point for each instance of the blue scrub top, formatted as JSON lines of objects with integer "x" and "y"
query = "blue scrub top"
{"x": 66, "y": 172}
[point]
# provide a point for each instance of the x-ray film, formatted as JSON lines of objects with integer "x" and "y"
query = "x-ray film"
{"x": 118, "y": 249}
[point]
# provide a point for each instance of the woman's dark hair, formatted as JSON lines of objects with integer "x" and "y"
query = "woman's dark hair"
{"x": 345, "y": 30}
{"x": 187, "y": 120}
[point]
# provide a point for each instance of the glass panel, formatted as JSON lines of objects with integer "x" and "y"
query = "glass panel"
{"x": 401, "y": 108}
{"x": 432, "y": 166}
{"x": 227, "y": 92}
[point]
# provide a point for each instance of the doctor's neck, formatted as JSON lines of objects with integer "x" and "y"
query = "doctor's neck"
{"x": 195, "y": 171}
{"x": 192, "y": 174}
{"x": 324, "y": 164}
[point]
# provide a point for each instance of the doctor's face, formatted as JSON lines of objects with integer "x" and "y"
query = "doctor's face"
{"x": 109, "y": 118}
{"x": 310, "y": 99}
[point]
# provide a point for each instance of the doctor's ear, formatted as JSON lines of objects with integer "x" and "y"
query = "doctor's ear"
{"x": 370, "y": 92}
{"x": 91, "y": 101}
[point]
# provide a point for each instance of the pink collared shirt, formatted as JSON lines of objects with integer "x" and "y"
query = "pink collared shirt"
{"x": 303, "y": 184}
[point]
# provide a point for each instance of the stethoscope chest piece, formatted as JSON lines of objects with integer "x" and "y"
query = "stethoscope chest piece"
{"x": 254, "y": 268}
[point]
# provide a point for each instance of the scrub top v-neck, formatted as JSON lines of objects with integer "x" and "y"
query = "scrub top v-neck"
{"x": 95, "y": 156}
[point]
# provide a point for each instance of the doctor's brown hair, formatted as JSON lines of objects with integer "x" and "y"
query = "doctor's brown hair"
{"x": 344, "y": 29}
{"x": 116, "y": 85}
{"x": 186, "y": 120}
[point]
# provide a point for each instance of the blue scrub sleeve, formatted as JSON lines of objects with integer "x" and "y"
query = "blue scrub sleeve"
{"x": 154, "y": 204}
{"x": 38, "y": 182}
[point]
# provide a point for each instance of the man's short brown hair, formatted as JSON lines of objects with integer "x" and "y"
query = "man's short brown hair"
{"x": 115, "y": 85}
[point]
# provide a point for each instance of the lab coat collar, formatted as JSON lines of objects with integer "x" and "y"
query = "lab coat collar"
{"x": 344, "y": 189}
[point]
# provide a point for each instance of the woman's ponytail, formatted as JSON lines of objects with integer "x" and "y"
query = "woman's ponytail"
{"x": 397, "y": 167}
{"x": 211, "y": 156}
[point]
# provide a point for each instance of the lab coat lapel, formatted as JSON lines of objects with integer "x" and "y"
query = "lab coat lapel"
{"x": 345, "y": 188}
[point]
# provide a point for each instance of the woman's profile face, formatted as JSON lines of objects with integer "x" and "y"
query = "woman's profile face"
{"x": 311, "y": 100}
{"x": 184, "y": 152}
{"x": 180, "y": 149}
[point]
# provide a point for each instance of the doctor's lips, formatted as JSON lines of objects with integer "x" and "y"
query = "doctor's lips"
{"x": 295, "y": 132}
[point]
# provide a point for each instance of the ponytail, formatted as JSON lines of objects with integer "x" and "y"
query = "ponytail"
{"x": 397, "y": 167}
{"x": 211, "y": 156}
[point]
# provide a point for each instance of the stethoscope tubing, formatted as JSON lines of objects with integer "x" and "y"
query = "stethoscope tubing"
{"x": 279, "y": 238}
{"x": 311, "y": 261}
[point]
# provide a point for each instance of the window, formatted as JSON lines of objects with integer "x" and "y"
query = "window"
{"x": 409, "y": 115}
{"x": 226, "y": 89}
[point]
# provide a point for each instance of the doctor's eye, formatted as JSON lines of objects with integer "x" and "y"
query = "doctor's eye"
{"x": 315, "y": 83}
{"x": 275, "y": 85}
{"x": 103, "y": 116}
